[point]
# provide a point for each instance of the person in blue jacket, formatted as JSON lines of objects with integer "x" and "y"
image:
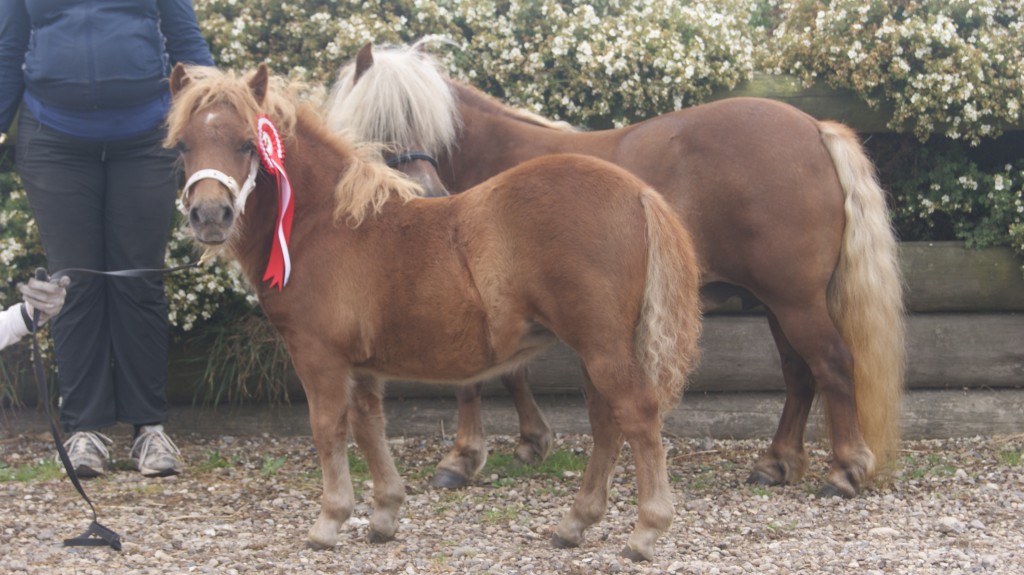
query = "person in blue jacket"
{"x": 90, "y": 80}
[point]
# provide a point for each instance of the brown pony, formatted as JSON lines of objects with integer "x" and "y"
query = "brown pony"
{"x": 784, "y": 209}
{"x": 565, "y": 246}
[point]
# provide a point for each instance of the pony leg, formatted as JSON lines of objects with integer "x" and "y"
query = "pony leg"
{"x": 328, "y": 418}
{"x": 786, "y": 461}
{"x": 641, "y": 424}
{"x": 812, "y": 335}
{"x": 633, "y": 408}
{"x": 368, "y": 427}
{"x": 591, "y": 500}
{"x": 535, "y": 435}
{"x": 467, "y": 457}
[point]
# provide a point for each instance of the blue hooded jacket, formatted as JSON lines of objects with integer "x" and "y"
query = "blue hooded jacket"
{"x": 84, "y": 56}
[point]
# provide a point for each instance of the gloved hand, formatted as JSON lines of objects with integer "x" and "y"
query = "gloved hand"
{"x": 45, "y": 296}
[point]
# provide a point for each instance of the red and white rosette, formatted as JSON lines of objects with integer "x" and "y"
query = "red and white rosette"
{"x": 279, "y": 268}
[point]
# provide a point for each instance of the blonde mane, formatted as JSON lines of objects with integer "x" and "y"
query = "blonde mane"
{"x": 412, "y": 104}
{"x": 405, "y": 100}
{"x": 208, "y": 86}
{"x": 365, "y": 185}
{"x": 368, "y": 184}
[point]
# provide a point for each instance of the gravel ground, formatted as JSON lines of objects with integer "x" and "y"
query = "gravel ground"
{"x": 244, "y": 505}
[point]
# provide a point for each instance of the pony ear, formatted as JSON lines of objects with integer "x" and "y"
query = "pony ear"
{"x": 179, "y": 79}
{"x": 364, "y": 59}
{"x": 258, "y": 83}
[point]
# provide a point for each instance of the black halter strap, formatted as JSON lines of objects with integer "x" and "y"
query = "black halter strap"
{"x": 96, "y": 535}
{"x": 406, "y": 157}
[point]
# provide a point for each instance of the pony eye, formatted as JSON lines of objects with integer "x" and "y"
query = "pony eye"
{"x": 181, "y": 148}
{"x": 247, "y": 147}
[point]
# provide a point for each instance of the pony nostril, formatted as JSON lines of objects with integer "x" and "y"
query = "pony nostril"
{"x": 211, "y": 215}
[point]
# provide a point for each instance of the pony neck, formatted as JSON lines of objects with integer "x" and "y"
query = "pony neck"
{"x": 334, "y": 186}
{"x": 494, "y": 138}
{"x": 311, "y": 203}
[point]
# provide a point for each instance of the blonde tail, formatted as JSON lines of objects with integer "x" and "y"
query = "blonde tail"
{"x": 669, "y": 326}
{"x": 865, "y": 296}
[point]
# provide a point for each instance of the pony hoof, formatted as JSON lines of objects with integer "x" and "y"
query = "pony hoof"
{"x": 378, "y": 537}
{"x": 448, "y": 479}
{"x": 560, "y": 542}
{"x": 841, "y": 483}
{"x": 533, "y": 451}
{"x": 321, "y": 538}
{"x": 634, "y": 555}
{"x": 758, "y": 477}
{"x": 528, "y": 455}
{"x": 316, "y": 546}
{"x": 829, "y": 490}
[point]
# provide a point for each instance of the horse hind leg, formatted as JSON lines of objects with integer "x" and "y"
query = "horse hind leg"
{"x": 812, "y": 335}
{"x": 786, "y": 461}
{"x": 467, "y": 457}
{"x": 535, "y": 436}
{"x": 369, "y": 427}
{"x": 591, "y": 500}
{"x": 469, "y": 453}
{"x": 621, "y": 405}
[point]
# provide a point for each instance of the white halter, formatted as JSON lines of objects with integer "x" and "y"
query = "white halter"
{"x": 240, "y": 195}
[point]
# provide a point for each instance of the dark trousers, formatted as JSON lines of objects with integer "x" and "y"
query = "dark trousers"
{"x": 104, "y": 206}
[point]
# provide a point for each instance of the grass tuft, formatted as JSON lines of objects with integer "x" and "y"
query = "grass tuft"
{"x": 509, "y": 469}
{"x": 43, "y": 470}
{"x": 214, "y": 460}
{"x": 271, "y": 465}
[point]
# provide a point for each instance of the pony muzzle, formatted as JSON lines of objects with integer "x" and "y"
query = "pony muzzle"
{"x": 212, "y": 215}
{"x": 211, "y": 221}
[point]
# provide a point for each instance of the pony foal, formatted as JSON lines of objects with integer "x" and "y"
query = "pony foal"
{"x": 565, "y": 246}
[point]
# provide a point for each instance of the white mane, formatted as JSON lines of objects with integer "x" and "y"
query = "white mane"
{"x": 403, "y": 100}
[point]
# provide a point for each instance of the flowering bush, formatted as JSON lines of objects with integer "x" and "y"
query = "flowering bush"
{"x": 954, "y": 67}
{"x": 939, "y": 192}
{"x": 943, "y": 66}
{"x": 20, "y": 252}
{"x": 308, "y": 39}
{"x": 585, "y": 62}
{"x": 603, "y": 63}
{"x": 20, "y": 249}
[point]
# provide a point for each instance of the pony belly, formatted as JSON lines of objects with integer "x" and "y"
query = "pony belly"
{"x": 451, "y": 365}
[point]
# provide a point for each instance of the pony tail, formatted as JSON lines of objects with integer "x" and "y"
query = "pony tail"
{"x": 669, "y": 325}
{"x": 865, "y": 296}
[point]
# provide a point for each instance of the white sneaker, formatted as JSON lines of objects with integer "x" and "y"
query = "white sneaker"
{"x": 154, "y": 453}
{"x": 88, "y": 453}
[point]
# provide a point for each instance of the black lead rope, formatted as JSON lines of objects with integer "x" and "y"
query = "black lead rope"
{"x": 120, "y": 273}
{"x": 96, "y": 535}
